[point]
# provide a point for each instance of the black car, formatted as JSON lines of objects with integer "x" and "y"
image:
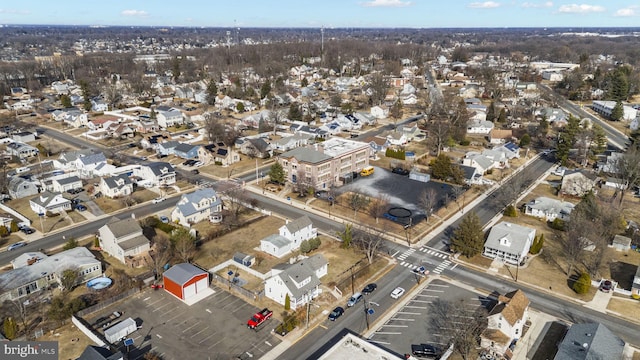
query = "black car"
{"x": 400, "y": 171}
{"x": 369, "y": 288}
{"x": 336, "y": 313}
{"x": 424, "y": 350}
{"x": 27, "y": 230}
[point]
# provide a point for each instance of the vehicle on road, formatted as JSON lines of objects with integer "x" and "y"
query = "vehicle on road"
{"x": 16, "y": 245}
{"x": 354, "y": 299}
{"x": 158, "y": 200}
{"x": 397, "y": 292}
{"x": 424, "y": 350}
{"x": 400, "y": 171}
{"x": 421, "y": 270}
{"x": 336, "y": 313}
{"x": 369, "y": 288}
{"x": 260, "y": 317}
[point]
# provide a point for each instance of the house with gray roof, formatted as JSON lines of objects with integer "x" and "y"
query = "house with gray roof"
{"x": 157, "y": 173}
{"x": 301, "y": 281}
{"x": 123, "y": 239}
{"x": 48, "y": 201}
{"x": 186, "y": 151}
{"x": 92, "y": 352}
{"x": 202, "y": 204}
{"x": 19, "y": 188}
{"x": 549, "y": 209}
{"x": 22, "y": 150}
{"x": 116, "y": 186}
{"x": 509, "y": 242}
{"x": 289, "y": 238}
{"x": 40, "y": 274}
{"x": 256, "y": 148}
{"x": 64, "y": 183}
{"x": 592, "y": 341}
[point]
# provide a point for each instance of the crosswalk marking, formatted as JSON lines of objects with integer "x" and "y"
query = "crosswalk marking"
{"x": 406, "y": 254}
{"x": 443, "y": 265}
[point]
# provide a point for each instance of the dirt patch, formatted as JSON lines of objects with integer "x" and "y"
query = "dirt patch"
{"x": 71, "y": 341}
{"x": 623, "y": 273}
{"x": 624, "y": 306}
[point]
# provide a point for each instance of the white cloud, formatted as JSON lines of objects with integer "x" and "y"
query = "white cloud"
{"x": 386, "y": 3}
{"x": 580, "y": 8}
{"x": 545, "y": 4}
{"x": 12, "y": 11}
{"x": 484, "y": 5}
{"x": 628, "y": 11}
{"x": 139, "y": 13}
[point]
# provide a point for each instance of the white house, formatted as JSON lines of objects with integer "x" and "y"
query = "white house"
{"x": 478, "y": 161}
{"x": 549, "y": 209}
{"x": 49, "y": 202}
{"x": 157, "y": 173}
{"x": 379, "y": 112}
{"x": 202, "y": 204}
{"x": 505, "y": 322}
{"x": 289, "y": 237}
{"x": 301, "y": 281}
{"x": 87, "y": 163}
{"x": 577, "y": 183}
{"x": 168, "y": 117}
{"x": 509, "y": 242}
{"x": 116, "y": 186}
{"x": 480, "y": 127}
{"x": 123, "y": 239}
{"x": 65, "y": 183}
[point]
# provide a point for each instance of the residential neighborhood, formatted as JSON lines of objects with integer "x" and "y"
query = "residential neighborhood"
{"x": 272, "y": 202}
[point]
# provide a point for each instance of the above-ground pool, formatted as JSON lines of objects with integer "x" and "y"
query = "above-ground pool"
{"x": 99, "y": 283}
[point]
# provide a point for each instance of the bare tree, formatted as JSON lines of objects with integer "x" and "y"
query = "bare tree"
{"x": 379, "y": 206}
{"x": 357, "y": 202}
{"x": 627, "y": 168}
{"x": 428, "y": 200}
{"x": 160, "y": 254}
{"x": 235, "y": 199}
{"x": 460, "y": 323}
{"x": 369, "y": 240}
{"x": 379, "y": 87}
{"x": 69, "y": 279}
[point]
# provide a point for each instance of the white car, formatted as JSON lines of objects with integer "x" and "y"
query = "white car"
{"x": 157, "y": 200}
{"x": 397, "y": 292}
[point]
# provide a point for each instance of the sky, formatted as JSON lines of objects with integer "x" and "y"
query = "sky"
{"x": 326, "y": 13}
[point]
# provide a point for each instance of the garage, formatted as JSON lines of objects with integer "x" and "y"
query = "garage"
{"x": 185, "y": 281}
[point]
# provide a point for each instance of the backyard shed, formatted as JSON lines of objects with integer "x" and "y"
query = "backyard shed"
{"x": 185, "y": 280}
{"x": 244, "y": 259}
{"x": 621, "y": 243}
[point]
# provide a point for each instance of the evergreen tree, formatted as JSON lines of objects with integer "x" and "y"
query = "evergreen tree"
{"x": 287, "y": 302}
{"x": 65, "y": 100}
{"x": 567, "y": 138}
{"x": 240, "y": 107}
{"x": 276, "y": 173}
{"x": 305, "y": 247}
{"x": 294, "y": 112}
{"x": 543, "y": 127}
{"x": 468, "y": 238}
{"x": 619, "y": 84}
{"x": 599, "y": 139}
{"x": 538, "y": 242}
{"x": 525, "y": 140}
{"x": 346, "y": 236}
{"x": 618, "y": 112}
{"x": 582, "y": 285}
{"x": 502, "y": 118}
{"x": 491, "y": 112}
{"x": 304, "y": 82}
{"x": 265, "y": 89}
{"x": 441, "y": 167}
{"x": 212, "y": 92}
{"x": 10, "y": 328}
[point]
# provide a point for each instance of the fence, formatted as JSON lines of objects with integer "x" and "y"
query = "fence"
{"x": 231, "y": 286}
{"x": 104, "y": 304}
{"x": 86, "y": 329}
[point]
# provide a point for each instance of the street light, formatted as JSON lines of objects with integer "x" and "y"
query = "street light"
{"x": 368, "y": 310}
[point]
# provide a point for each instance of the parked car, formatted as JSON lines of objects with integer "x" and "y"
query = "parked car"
{"x": 397, "y": 292}
{"x": 81, "y": 207}
{"x": 369, "y": 288}
{"x": 424, "y": 350}
{"x": 354, "y": 299}
{"x": 198, "y": 163}
{"x": 400, "y": 171}
{"x": 164, "y": 219}
{"x": 195, "y": 171}
{"x": 606, "y": 286}
{"x": 336, "y": 313}
{"x": 27, "y": 230}
{"x": 16, "y": 245}
{"x": 158, "y": 200}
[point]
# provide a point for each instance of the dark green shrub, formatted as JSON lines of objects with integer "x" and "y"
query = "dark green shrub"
{"x": 395, "y": 153}
{"x": 582, "y": 285}
{"x": 511, "y": 211}
{"x": 557, "y": 224}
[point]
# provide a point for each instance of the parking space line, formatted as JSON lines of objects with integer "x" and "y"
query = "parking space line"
{"x": 388, "y": 333}
{"x": 395, "y": 253}
{"x": 191, "y": 327}
{"x": 391, "y": 325}
{"x": 162, "y": 306}
{"x": 175, "y": 317}
{"x": 380, "y": 342}
{"x": 422, "y": 301}
{"x": 207, "y": 338}
{"x": 427, "y": 289}
{"x": 429, "y": 296}
{"x": 440, "y": 285}
{"x": 408, "y": 313}
{"x": 147, "y": 298}
{"x": 154, "y": 302}
{"x": 401, "y": 319}
{"x": 216, "y": 343}
{"x": 415, "y": 307}
{"x": 194, "y": 335}
{"x": 231, "y": 303}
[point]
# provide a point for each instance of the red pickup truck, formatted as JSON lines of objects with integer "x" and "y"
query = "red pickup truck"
{"x": 259, "y": 317}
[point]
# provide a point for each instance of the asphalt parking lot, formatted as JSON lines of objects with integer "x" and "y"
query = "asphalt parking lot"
{"x": 410, "y": 324}
{"x": 401, "y": 190}
{"x": 213, "y": 328}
